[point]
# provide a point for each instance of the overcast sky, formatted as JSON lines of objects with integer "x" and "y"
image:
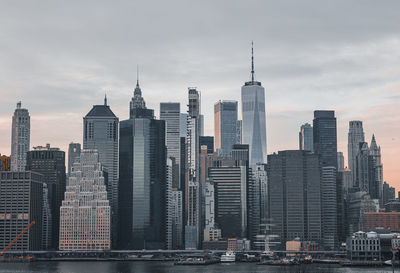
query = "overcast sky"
{"x": 60, "y": 57}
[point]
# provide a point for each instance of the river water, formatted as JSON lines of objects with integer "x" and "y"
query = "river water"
{"x": 168, "y": 267}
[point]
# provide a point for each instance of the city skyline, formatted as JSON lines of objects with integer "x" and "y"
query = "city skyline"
{"x": 322, "y": 72}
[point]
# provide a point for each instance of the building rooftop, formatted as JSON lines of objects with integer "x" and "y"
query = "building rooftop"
{"x": 100, "y": 111}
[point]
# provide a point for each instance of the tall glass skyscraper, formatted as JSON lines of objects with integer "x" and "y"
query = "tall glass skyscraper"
{"x": 306, "y": 138}
{"x": 325, "y": 146}
{"x": 355, "y": 137}
{"x": 142, "y": 199}
{"x": 254, "y": 130}
{"x": 170, "y": 113}
{"x": 325, "y": 137}
{"x": 100, "y": 132}
{"x": 225, "y": 122}
{"x": 20, "y": 138}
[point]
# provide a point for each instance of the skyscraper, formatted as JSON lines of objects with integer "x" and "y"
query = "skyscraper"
{"x": 143, "y": 187}
{"x": 50, "y": 162}
{"x": 375, "y": 152}
{"x": 230, "y": 191}
{"x": 20, "y": 138}
{"x": 74, "y": 151}
{"x": 21, "y": 202}
{"x": 225, "y": 122}
{"x": 340, "y": 160}
{"x": 325, "y": 137}
{"x": 100, "y": 132}
{"x": 192, "y": 185}
{"x": 355, "y": 136}
{"x": 253, "y": 118}
{"x": 170, "y": 113}
{"x": 329, "y": 208}
{"x": 5, "y": 163}
{"x": 85, "y": 211}
{"x": 294, "y": 196}
{"x": 306, "y": 138}
{"x": 325, "y": 146}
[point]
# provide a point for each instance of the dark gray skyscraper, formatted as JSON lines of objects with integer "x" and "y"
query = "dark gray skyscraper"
{"x": 20, "y": 138}
{"x": 21, "y": 202}
{"x": 100, "y": 132}
{"x": 294, "y": 195}
{"x": 355, "y": 136}
{"x": 74, "y": 151}
{"x": 142, "y": 200}
{"x": 254, "y": 130}
{"x": 225, "y": 122}
{"x": 325, "y": 137}
{"x": 50, "y": 162}
{"x": 325, "y": 146}
{"x": 306, "y": 138}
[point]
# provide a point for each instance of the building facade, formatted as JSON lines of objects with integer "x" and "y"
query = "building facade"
{"x": 50, "y": 162}
{"x": 375, "y": 153}
{"x": 306, "y": 138}
{"x": 225, "y": 122}
{"x": 143, "y": 187}
{"x": 254, "y": 131}
{"x": 100, "y": 132}
{"x": 74, "y": 151}
{"x": 355, "y": 136}
{"x": 85, "y": 214}
{"x": 294, "y": 196}
{"x": 340, "y": 160}
{"x": 5, "y": 163}
{"x": 21, "y": 203}
{"x": 325, "y": 137}
{"x": 192, "y": 185}
{"x": 20, "y": 138}
{"x": 170, "y": 113}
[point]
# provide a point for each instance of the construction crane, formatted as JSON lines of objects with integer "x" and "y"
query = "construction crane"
{"x": 17, "y": 238}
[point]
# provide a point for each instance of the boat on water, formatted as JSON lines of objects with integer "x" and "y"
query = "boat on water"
{"x": 228, "y": 257}
{"x": 197, "y": 260}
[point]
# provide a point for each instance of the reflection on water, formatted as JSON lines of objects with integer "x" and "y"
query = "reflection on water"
{"x": 168, "y": 267}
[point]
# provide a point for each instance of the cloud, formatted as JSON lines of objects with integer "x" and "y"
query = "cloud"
{"x": 60, "y": 58}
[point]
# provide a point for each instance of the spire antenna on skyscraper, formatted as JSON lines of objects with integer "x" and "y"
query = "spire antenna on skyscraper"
{"x": 105, "y": 99}
{"x": 137, "y": 75}
{"x": 252, "y": 63}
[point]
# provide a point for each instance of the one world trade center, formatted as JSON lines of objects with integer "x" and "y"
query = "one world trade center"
{"x": 253, "y": 118}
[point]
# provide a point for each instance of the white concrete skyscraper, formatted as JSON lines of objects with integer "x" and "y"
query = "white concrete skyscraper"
{"x": 85, "y": 210}
{"x": 100, "y": 132}
{"x": 356, "y": 135}
{"x": 253, "y": 118}
{"x": 20, "y": 138}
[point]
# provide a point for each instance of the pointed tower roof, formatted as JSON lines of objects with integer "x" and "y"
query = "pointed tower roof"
{"x": 373, "y": 143}
{"x": 252, "y": 82}
{"x": 101, "y": 110}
